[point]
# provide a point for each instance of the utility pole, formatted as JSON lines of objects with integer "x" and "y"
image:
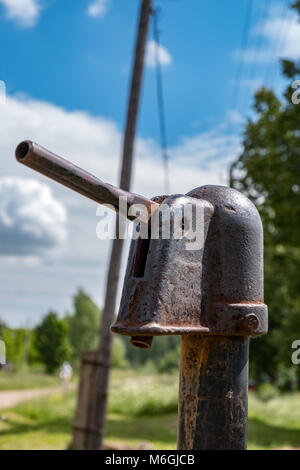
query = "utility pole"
{"x": 97, "y": 409}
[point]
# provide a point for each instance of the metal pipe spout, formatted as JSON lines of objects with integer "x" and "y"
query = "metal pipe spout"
{"x": 66, "y": 173}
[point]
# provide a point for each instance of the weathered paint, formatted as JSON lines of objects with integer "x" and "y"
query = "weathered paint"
{"x": 213, "y": 393}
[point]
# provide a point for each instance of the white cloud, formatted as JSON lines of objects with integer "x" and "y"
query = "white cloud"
{"x": 94, "y": 144}
{"x": 22, "y": 260}
{"x": 24, "y": 12}
{"x": 153, "y": 49}
{"x": 88, "y": 141}
{"x": 31, "y": 219}
{"x": 282, "y": 31}
{"x": 98, "y": 8}
{"x": 291, "y": 28}
{"x": 235, "y": 117}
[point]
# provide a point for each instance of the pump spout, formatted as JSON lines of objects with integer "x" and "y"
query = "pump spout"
{"x": 66, "y": 173}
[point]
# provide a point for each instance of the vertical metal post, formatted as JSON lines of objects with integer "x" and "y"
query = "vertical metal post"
{"x": 213, "y": 393}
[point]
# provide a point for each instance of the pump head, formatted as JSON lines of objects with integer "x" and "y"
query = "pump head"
{"x": 214, "y": 287}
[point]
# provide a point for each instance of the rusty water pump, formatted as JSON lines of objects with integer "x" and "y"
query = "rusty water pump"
{"x": 211, "y": 295}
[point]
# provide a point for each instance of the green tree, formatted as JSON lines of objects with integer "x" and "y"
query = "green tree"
{"x": 170, "y": 361}
{"x": 52, "y": 341}
{"x": 268, "y": 172}
{"x": 160, "y": 347}
{"x": 17, "y": 342}
{"x": 2, "y": 325}
{"x": 84, "y": 324}
{"x": 119, "y": 360}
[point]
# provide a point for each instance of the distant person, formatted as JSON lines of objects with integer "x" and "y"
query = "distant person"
{"x": 65, "y": 374}
{"x": 2, "y": 354}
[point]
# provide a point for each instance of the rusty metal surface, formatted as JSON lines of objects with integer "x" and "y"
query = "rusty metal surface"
{"x": 169, "y": 290}
{"x": 66, "y": 173}
{"x": 213, "y": 402}
{"x": 164, "y": 296}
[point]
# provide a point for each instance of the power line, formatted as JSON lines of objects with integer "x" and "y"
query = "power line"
{"x": 255, "y": 73}
{"x": 160, "y": 102}
{"x": 259, "y": 40}
{"x": 239, "y": 72}
{"x": 244, "y": 43}
{"x": 257, "y": 48}
{"x": 274, "y": 48}
{"x": 286, "y": 12}
{"x": 265, "y": 71}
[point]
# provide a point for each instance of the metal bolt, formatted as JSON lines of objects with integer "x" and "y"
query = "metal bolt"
{"x": 252, "y": 320}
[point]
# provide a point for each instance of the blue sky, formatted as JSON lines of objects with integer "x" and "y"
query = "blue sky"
{"x": 66, "y": 66}
{"x": 79, "y": 61}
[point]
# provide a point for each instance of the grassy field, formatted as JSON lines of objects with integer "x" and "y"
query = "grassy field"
{"x": 142, "y": 411}
{"x": 22, "y": 380}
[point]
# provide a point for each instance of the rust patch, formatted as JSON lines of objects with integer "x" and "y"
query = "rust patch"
{"x": 194, "y": 357}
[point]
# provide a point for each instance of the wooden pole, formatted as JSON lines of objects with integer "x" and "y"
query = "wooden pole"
{"x": 95, "y": 421}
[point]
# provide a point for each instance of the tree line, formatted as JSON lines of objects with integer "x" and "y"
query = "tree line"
{"x": 58, "y": 339}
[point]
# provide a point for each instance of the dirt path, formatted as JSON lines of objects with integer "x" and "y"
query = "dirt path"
{"x": 10, "y": 398}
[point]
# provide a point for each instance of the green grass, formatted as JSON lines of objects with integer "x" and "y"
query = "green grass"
{"x": 143, "y": 395}
{"x": 274, "y": 423}
{"x": 22, "y": 380}
{"x": 38, "y": 424}
{"x": 141, "y": 408}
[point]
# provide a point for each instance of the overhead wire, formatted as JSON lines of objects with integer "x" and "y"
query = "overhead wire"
{"x": 244, "y": 44}
{"x": 254, "y": 74}
{"x": 263, "y": 70}
{"x": 282, "y": 37}
{"x": 239, "y": 73}
{"x": 160, "y": 101}
{"x": 274, "y": 48}
{"x": 258, "y": 46}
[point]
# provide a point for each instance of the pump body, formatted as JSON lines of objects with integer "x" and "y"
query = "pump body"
{"x": 216, "y": 288}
